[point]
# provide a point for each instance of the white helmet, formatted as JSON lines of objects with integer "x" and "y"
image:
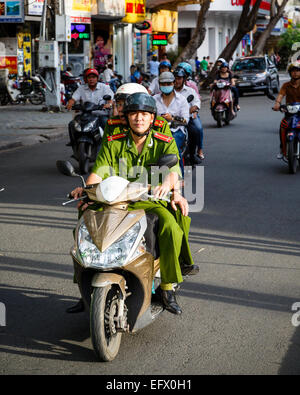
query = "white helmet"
{"x": 221, "y": 60}
{"x": 128, "y": 89}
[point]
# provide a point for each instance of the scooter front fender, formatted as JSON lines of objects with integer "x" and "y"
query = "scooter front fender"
{"x": 104, "y": 279}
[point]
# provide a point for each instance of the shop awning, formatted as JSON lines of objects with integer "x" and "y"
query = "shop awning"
{"x": 168, "y": 4}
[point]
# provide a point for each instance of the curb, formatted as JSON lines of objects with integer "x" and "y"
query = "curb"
{"x": 33, "y": 139}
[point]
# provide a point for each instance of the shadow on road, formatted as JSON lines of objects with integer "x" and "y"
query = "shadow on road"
{"x": 37, "y": 325}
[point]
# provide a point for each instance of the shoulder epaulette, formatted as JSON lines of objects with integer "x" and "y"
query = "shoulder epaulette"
{"x": 116, "y": 121}
{"x": 116, "y": 136}
{"x": 159, "y": 123}
{"x": 163, "y": 137}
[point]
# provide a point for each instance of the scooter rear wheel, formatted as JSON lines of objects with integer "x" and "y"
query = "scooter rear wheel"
{"x": 104, "y": 309}
{"x": 37, "y": 98}
{"x": 219, "y": 119}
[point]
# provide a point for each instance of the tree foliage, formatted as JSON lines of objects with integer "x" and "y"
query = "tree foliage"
{"x": 287, "y": 39}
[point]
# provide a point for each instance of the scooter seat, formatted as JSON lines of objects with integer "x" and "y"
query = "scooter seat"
{"x": 150, "y": 235}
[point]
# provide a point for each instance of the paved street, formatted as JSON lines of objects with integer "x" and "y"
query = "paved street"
{"x": 237, "y": 313}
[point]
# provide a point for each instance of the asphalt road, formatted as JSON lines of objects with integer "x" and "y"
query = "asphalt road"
{"x": 237, "y": 313}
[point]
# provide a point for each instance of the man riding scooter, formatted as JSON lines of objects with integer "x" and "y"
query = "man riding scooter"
{"x": 142, "y": 146}
{"x": 195, "y": 128}
{"x": 291, "y": 91}
{"x": 170, "y": 104}
{"x": 93, "y": 91}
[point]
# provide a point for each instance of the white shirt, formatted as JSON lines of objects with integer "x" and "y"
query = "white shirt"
{"x": 108, "y": 74}
{"x": 84, "y": 93}
{"x": 178, "y": 107}
{"x": 186, "y": 91}
{"x": 153, "y": 66}
{"x": 154, "y": 86}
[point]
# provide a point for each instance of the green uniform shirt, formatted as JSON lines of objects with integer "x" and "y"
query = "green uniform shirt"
{"x": 118, "y": 155}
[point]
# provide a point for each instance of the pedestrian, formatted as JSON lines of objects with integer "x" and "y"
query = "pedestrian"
{"x": 204, "y": 64}
{"x": 153, "y": 66}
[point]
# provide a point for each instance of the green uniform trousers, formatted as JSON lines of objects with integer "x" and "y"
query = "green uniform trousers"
{"x": 172, "y": 238}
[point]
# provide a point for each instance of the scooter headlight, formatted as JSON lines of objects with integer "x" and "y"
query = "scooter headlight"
{"x": 221, "y": 85}
{"x": 90, "y": 126}
{"x": 293, "y": 109}
{"x": 114, "y": 256}
{"x": 77, "y": 126}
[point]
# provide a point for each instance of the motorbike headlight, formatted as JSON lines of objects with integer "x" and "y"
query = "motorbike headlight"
{"x": 77, "y": 126}
{"x": 90, "y": 126}
{"x": 221, "y": 85}
{"x": 293, "y": 109}
{"x": 114, "y": 256}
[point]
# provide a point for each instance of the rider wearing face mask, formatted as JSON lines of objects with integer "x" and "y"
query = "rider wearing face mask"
{"x": 171, "y": 103}
{"x": 291, "y": 91}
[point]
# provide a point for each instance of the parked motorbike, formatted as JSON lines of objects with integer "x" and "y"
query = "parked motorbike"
{"x": 71, "y": 83}
{"x": 19, "y": 91}
{"x": 221, "y": 103}
{"x": 87, "y": 133}
{"x": 116, "y": 260}
{"x": 292, "y": 136}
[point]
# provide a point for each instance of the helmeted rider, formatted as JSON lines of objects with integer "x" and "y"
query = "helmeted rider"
{"x": 92, "y": 91}
{"x": 223, "y": 73}
{"x": 154, "y": 86}
{"x": 116, "y": 123}
{"x": 189, "y": 72}
{"x": 291, "y": 92}
{"x": 170, "y": 104}
{"x": 141, "y": 146}
{"x": 195, "y": 128}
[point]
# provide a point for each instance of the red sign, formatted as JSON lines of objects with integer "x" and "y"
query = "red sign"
{"x": 265, "y": 4}
{"x": 10, "y": 63}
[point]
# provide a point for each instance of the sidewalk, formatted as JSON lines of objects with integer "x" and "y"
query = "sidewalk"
{"x": 27, "y": 124}
{"x": 22, "y": 125}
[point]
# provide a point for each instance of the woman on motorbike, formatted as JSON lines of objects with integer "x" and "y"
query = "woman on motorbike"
{"x": 225, "y": 74}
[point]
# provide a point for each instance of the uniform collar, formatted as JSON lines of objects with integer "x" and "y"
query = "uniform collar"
{"x": 132, "y": 147}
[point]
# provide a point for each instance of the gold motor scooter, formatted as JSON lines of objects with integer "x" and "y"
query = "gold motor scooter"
{"x": 116, "y": 260}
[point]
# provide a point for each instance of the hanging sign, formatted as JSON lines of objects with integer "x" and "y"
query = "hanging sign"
{"x": 135, "y": 11}
{"x": 159, "y": 39}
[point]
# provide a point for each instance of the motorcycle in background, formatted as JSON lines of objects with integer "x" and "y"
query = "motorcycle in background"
{"x": 292, "y": 136}
{"x": 86, "y": 133}
{"x": 116, "y": 260}
{"x": 19, "y": 91}
{"x": 71, "y": 83}
{"x": 221, "y": 103}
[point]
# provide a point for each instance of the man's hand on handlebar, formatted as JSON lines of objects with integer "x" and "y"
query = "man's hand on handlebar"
{"x": 276, "y": 106}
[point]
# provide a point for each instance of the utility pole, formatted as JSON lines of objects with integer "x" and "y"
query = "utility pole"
{"x": 49, "y": 54}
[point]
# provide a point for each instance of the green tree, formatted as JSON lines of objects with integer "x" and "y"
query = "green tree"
{"x": 290, "y": 37}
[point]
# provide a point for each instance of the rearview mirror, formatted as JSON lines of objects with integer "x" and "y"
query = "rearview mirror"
{"x": 168, "y": 160}
{"x": 106, "y": 97}
{"x": 66, "y": 168}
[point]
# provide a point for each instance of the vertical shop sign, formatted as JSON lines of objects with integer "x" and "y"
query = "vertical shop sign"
{"x": 135, "y": 11}
{"x": 11, "y": 11}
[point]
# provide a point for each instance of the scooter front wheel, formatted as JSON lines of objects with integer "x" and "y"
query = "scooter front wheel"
{"x": 84, "y": 160}
{"x": 219, "y": 117}
{"x": 103, "y": 312}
